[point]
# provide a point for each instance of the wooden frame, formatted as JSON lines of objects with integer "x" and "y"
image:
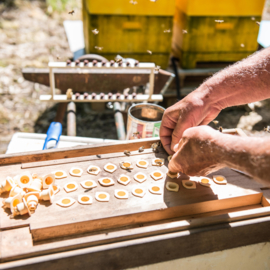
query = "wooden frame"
{"x": 133, "y": 245}
{"x": 82, "y": 66}
{"x": 235, "y": 131}
{"x": 140, "y": 246}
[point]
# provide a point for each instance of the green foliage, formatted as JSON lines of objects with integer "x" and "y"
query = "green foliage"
{"x": 58, "y": 5}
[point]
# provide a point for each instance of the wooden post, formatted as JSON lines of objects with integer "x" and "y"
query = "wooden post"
{"x": 52, "y": 83}
{"x": 61, "y": 110}
{"x": 71, "y": 119}
{"x": 119, "y": 122}
{"x": 151, "y": 82}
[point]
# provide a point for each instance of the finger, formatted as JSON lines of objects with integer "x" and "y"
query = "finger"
{"x": 165, "y": 133}
{"x": 166, "y": 142}
{"x": 166, "y": 138}
{"x": 182, "y": 124}
{"x": 174, "y": 164}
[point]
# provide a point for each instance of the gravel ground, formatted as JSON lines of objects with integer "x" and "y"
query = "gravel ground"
{"x": 31, "y": 35}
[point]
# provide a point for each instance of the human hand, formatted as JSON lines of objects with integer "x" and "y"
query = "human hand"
{"x": 198, "y": 152}
{"x": 195, "y": 109}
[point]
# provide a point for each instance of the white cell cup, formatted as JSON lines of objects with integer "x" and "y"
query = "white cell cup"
{"x": 7, "y": 185}
{"x": 56, "y": 189}
{"x": 24, "y": 180}
{"x": 15, "y": 201}
{"x": 16, "y": 178}
{"x": 7, "y": 202}
{"x": 31, "y": 199}
{"x": 21, "y": 209}
{"x": 48, "y": 180}
{"x": 11, "y": 202}
{"x": 36, "y": 185}
{"x": 34, "y": 175}
{"x": 47, "y": 194}
{"x": 16, "y": 190}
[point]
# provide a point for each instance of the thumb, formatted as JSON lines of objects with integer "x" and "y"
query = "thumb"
{"x": 174, "y": 166}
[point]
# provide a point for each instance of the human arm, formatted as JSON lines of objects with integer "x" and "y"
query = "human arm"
{"x": 203, "y": 150}
{"x": 244, "y": 82}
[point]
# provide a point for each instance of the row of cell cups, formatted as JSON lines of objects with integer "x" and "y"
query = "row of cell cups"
{"x": 25, "y": 191}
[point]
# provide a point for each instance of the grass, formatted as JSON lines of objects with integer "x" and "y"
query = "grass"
{"x": 58, "y": 5}
{"x": 3, "y": 63}
{"x": 62, "y": 5}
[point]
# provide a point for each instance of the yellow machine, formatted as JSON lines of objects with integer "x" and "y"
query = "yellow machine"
{"x": 130, "y": 28}
{"x": 217, "y": 31}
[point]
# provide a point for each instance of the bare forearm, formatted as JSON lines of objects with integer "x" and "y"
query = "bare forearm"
{"x": 251, "y": 155}
{"x": 246, "y": 81}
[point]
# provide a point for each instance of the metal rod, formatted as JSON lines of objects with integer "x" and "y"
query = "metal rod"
{"x": 119, "y": 121}
{"x": 71, "y": 119}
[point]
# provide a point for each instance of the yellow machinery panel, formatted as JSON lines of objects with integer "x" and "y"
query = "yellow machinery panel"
{"x": 124, "y": 7}
{"x": 209, "y": 41}
{"x": 221, "y": 7}
{"x": 130, "y": 30}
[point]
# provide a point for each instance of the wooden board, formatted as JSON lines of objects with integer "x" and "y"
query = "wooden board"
{"x": 14, "y": 239}
{"x": 51, "y": 221}
{"x": 120, "y": 226}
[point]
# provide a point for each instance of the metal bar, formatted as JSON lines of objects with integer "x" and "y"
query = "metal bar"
{"x": 71, "y": 119}
{"x": 119, "y": 121}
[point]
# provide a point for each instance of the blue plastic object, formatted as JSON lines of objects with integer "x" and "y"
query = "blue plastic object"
{"x": 53, "y": 135}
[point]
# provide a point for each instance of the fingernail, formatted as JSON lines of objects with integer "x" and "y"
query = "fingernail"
{"x": 175, "y": 148}
{"x": 172, "y": 146}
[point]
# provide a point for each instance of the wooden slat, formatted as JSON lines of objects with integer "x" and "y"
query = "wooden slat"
{"x": 77, "y": 151}
{"x": 266, "y": 197}
{"x": 153, "y": 249}
{"x": 80, "y": 151}
{"x": 235, "y": 131}
{"x": 80, "y": 159}
{"x": 14, "y": 242}
{"x": 22, "y": 237}
{"x": 138, "y": 98}
{"x": 41, "y": 232}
